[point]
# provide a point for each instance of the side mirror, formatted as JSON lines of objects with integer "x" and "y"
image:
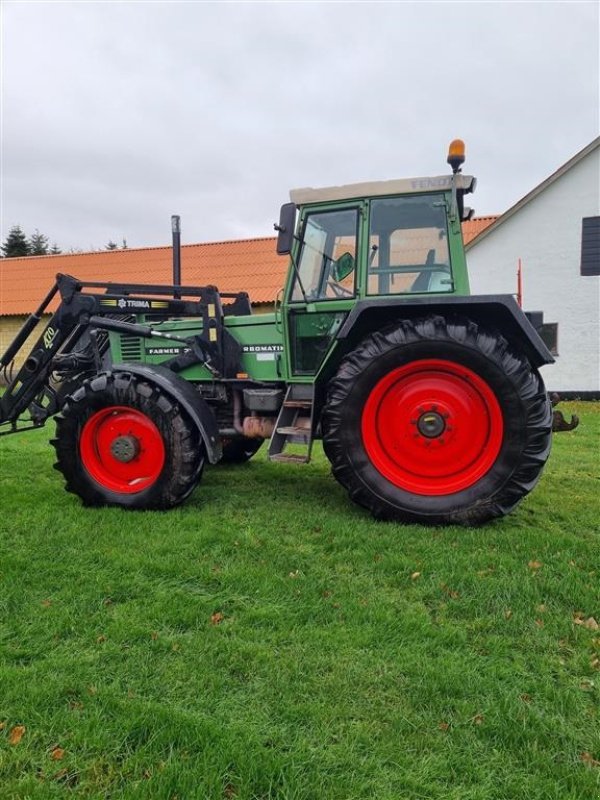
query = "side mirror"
{"x": 342, "y": 267}
{"x": 285, "y": 229}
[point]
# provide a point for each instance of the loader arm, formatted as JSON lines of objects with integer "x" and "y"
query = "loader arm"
{"x": 80, "y": 311}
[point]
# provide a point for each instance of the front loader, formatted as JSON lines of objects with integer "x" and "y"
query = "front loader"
{"x": 428, "y": 400}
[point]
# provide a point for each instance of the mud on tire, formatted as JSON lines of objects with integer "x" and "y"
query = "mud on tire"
{"x": 161, "y": 455}
{"x": 387, "y": 431}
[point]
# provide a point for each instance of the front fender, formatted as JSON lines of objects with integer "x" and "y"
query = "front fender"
{"x": 182, "y": 392}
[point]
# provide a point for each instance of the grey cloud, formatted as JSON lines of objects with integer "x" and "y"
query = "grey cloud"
{"x": 117, "y": 115}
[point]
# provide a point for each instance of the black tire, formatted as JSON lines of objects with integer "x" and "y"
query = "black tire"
{"x": 519, "y": 433}
{"x": 239, "y": 450}
{"x": 162, "y": 439}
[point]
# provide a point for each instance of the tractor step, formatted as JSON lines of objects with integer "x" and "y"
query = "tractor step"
{"x": 294, "y": 425}
{"x": 291, "y": 458}
{"x": 295, "y": 430}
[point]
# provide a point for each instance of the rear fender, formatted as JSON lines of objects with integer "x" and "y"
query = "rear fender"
{"x": 500, "y": 312}
{"x": 182, "y": 392}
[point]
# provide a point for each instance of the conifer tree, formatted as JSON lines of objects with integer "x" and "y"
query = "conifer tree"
{"x": 38, "y": 244}
{"x": 15, "y": 244}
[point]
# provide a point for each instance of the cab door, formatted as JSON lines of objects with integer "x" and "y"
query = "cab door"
{"x": 324, "y": 285}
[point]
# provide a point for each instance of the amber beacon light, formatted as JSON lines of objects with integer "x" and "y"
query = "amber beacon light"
{"x": 456, "y": 154}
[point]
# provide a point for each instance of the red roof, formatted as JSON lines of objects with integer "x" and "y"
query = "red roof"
{"x": 249, "y": 265}
{"x": 473, "y": 227}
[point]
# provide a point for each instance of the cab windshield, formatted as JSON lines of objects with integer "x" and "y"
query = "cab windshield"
{"x": 408, "y": 246}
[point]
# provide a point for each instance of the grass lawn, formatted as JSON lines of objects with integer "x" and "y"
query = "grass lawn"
{"x": 270, "y": 640}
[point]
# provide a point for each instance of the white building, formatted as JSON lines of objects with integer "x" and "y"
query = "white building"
{"x": 555, "y": 231}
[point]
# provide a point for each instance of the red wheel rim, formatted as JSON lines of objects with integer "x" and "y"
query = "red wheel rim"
{"x": 122, "y": 449}
{"x": 432, "y": 427}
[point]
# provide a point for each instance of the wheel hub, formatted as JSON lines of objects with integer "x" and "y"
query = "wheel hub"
{"x": 432, "y": 427}
{"x": 122, "y": 449}
{"x": 431, "y": 424}
{"x": 125, "y": 448}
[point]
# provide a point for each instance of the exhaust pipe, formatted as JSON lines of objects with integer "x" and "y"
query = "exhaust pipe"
{"x": 176, "y": 230}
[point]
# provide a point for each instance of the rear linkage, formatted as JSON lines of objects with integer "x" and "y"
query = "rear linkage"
{"x": 81, "y": 313}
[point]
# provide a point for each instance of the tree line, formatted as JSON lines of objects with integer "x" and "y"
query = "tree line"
{"x": 17, "y": 244}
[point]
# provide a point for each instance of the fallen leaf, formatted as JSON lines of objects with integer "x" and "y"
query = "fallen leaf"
{"x": 444, "y": 726}
{"x": 107, "y": 601}
{"x": 534, "y": 564}
{"x": 57, "y": 754}
{"x": 229, "y": 791}
{"x": 294, "y": 574}
{"x": 101, "y": 638}
{"x": 539, "y": 623}
{"x": 541, "y": 608}
{"x": 2, "y": 726}
{"x": 216, "y": 618}
{"x": 595, "y": 663}
{"x": 526, "y": 698}
{"x": 46, "y": 603}
{"x": 477, "y": 719}
{"x": 16, "y": 734}
{"x": 589, "y": 623}
{"x": 326, "y": 593}
{"x": 415, "y": 575}
{"x": 589, "y": 760}
{"x": 507, "y": 613}
{"x": 154, "y": 636}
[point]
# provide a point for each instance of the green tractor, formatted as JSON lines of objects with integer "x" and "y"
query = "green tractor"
{"x": 428, "y": 400}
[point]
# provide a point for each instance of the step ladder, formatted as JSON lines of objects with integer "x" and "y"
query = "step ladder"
{"x": 294, "y": 425}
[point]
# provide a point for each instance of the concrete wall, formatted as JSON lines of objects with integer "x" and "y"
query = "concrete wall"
{"x": 546, "y": 235}
{"x": 9, "y": 327}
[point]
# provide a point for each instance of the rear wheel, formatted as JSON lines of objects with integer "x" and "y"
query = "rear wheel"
{"x": 122, "y": 441}
{"x": 437, "y": 421}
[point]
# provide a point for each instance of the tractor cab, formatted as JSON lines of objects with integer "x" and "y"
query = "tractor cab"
{"x": 378, "y": 239}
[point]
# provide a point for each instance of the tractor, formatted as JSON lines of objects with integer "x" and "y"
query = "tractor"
{"x": 428, "y": 400}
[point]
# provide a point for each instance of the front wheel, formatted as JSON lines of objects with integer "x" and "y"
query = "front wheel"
{"x": 122, "y": 441}
{"x": 437, "y": 421}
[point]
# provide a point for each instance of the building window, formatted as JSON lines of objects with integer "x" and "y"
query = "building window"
{"x": 590, "y": 246}
{"x": 549, "y": 335}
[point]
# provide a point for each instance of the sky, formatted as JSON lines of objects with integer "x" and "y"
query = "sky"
{"x": 116, "y": 115}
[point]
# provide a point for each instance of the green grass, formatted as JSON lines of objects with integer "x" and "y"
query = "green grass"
{"x": 332, "y": 674}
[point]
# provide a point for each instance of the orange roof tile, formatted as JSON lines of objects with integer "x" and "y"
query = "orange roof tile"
{"x": 473, "y": 228}
{"x": 249, "y": 265}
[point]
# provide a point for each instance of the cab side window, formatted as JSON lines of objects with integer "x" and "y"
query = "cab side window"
{"x": 327, "y": 262}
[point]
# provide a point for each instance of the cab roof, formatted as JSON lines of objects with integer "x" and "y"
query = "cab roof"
{"x": 307, "y": 196}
